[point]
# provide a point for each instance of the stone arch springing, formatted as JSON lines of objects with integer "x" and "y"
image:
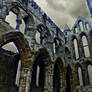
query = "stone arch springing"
{"x": 41, "y": 67}
{"x": 58, "y": 76}
{"x": 85, "y": 44}
{"x": 75, "y": 47}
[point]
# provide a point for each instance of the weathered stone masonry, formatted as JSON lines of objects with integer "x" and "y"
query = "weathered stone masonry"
{"x": 51, "y": 60}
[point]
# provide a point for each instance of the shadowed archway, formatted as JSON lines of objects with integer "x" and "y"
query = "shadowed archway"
{"x": 58, "y": 76}
{"x": 40, "y": 68}
{"x": 7, "y": 35}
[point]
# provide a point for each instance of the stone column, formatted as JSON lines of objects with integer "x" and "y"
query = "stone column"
{"x": 50, "y": 82}
{"x": 25, "y": 80}
{"x": 75, "y": 82}
{"x": 48, "y": 85}
{"x": 85, "y": 76}
{"x": 62, "y": 82}
{"x": 72, "y": 83}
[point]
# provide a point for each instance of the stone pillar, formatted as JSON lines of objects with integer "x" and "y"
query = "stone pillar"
{"x": 62, "y": 82}
{"x": 71, "y": 83}
{"x": 75, "y": 81}
{"x": 85, "y": 76}
{"x": 25, "y": 80}
{"x": 48, "y": 85}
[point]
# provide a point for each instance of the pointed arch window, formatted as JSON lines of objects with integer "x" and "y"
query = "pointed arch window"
{"x": 80, "y": 76}
{"x": 81, "y": 26}
{"x": 87, "y": 26}
{"x": 90, "y": 73}
{"x": 85, "y": 46}
{"x": 76, "y": 50}
{"x": 11, "y": 47}
{"x": 76, "y": 30}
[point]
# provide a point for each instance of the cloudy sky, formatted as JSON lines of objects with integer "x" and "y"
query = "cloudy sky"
{"x": 65, "y": 11}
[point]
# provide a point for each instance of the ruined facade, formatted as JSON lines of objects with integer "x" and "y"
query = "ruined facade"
{"x": 50, "y": 59}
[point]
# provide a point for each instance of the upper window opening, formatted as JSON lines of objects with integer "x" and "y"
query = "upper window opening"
{"x": 85, "y": 46}
{"x": 76, "y": 48}
{"x": 81, "y": 26}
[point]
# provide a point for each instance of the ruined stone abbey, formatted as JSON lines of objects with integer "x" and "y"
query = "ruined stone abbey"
{"x": 52, "y": 60}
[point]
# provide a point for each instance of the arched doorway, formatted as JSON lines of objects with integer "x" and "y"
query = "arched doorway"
{"x": 57, "y": 76}
{"x": 8, "y": 68}
{"x": 22, "y": 45}
{"x": 56, "y": 79}
{"x": 39, "y": 71}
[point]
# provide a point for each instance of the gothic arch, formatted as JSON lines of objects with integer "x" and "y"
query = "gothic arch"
{"x": 84, "y": 41}
{"x": 78, "y": 68}
{"x": 59, "y": 76}
{"x": 19, "y": 40}
{"x": 21, "y": 15}
{"x": 41, "y": 71}
{"x": 81, "y": 24}
{"x": 44, "y": 33}
{"x": 75, "y": 47}
{"x": 57, "y": 45}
